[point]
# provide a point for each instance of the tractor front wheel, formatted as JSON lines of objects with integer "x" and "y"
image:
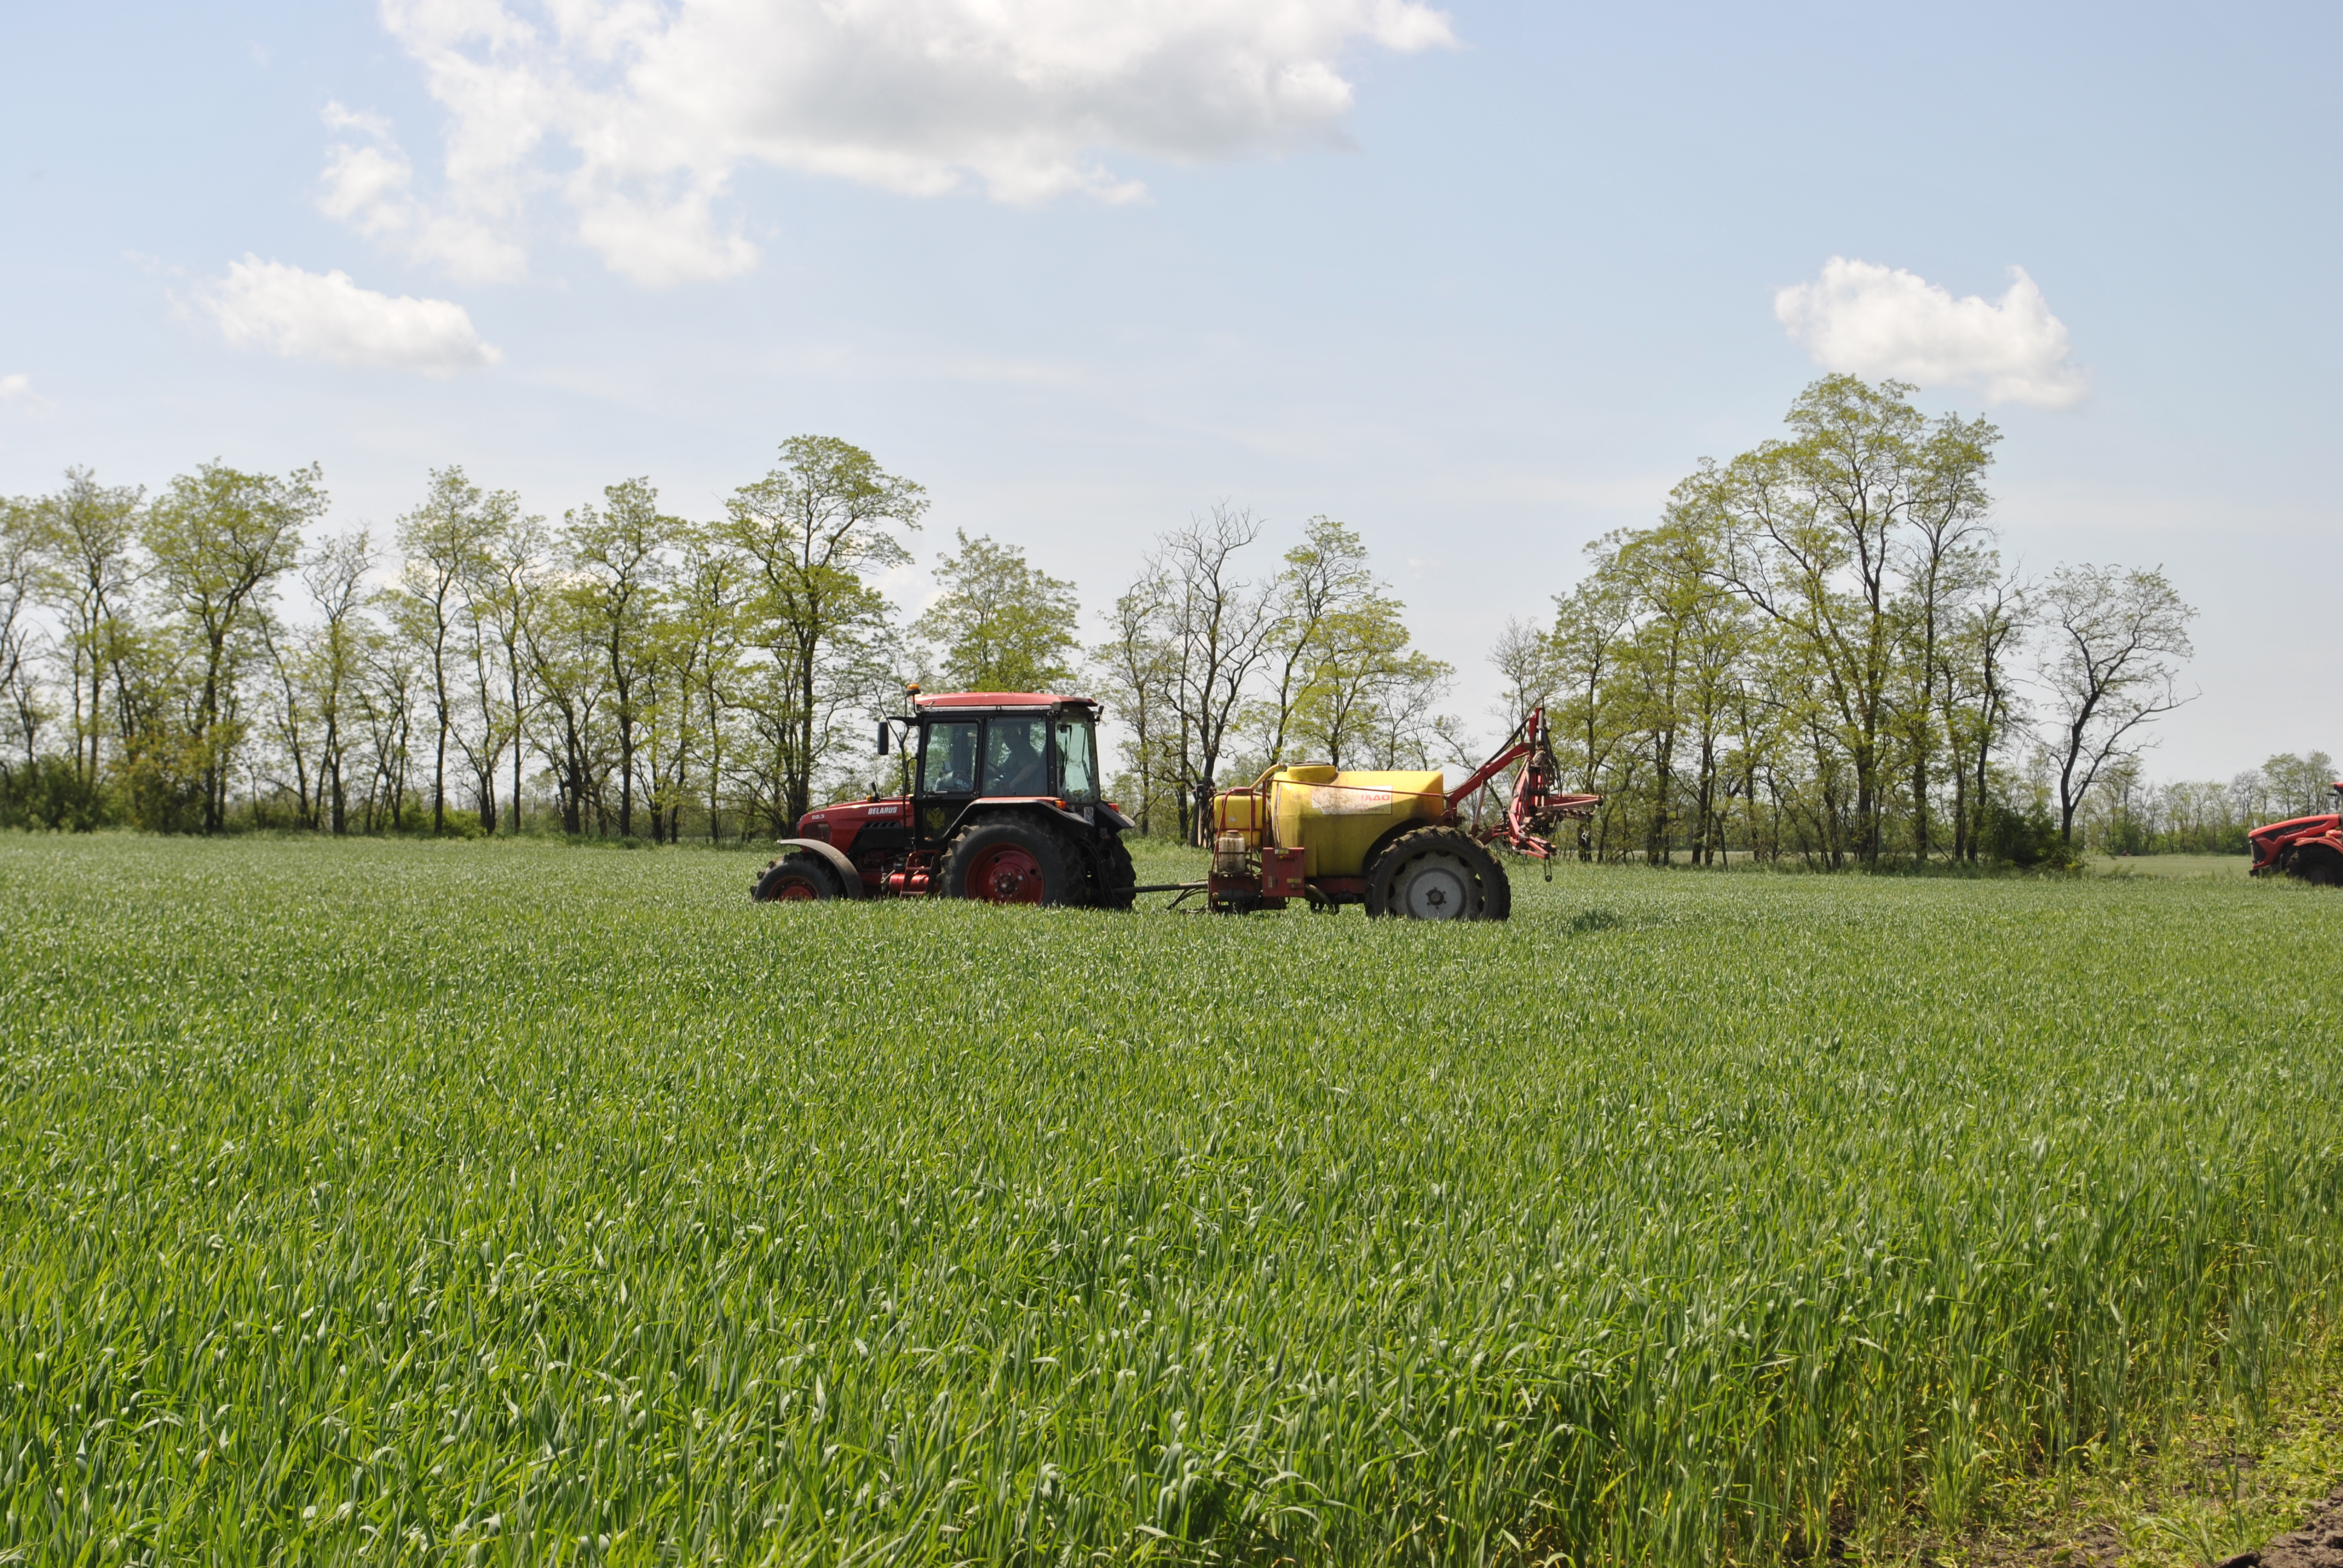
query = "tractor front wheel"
{"x": 794, "y": 877}
{"x": 1438, "y": 874}
{"x": 1007, "y": 863}
{"x": 2318, "y": 865}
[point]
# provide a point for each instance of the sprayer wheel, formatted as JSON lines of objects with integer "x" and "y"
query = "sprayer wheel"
{"x": 1497, "y": 886}
{"x": 1434, "y": 874}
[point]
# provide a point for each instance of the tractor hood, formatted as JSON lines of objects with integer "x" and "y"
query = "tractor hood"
{"x": 2324, "y": 821}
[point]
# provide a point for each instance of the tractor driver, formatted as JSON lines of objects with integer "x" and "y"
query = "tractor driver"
{"x": 1016, "y": 763}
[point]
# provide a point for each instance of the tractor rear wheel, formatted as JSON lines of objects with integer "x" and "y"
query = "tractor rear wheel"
{"x": 1438, "y": 874}
{"x": 2318, "y": 865}
{"x": 1116, "y": 875}
{"x": 1007, "y": 863}
{"x": 795, "y": 878}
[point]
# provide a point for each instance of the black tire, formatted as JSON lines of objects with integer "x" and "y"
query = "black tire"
{"x": 1009, "y": 862}
{"x": 795, "y": 878}
{"x": 1116, "y": 875}
{"x": 1436, "y": 874}
{"x": 1497, "y": 885}
{"x": 2318, "y": 865}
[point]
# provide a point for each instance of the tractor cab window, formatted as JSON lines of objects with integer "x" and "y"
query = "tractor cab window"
{"x": 1077, "y": 760}
{"x": 1016, "y": 756}
{"x": 948, "y": 766}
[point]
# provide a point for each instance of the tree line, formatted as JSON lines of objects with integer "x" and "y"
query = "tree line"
{"x": 1816, "y": 652}
{"x": 623, "y": 671}
{"x": 2134, "y": 815}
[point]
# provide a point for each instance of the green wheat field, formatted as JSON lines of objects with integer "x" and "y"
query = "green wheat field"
{"x": 486, "y": 1203}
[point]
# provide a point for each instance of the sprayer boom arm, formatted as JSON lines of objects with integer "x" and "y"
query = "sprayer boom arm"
{"x": 1488, "y": 771}
{"x": 1536, "y": 806}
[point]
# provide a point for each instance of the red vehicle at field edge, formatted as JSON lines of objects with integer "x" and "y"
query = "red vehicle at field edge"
{"x": 2307, "y": 848}
{"x": 1001, "y": 805}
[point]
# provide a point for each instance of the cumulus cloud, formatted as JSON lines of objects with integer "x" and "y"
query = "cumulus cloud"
{"x": 370, "y": 184}
{"x": 1870, "y": 321}
{"x": 269, "y": 305}
{"x": 640, "y": 114}
{"x": 16, "y": 393}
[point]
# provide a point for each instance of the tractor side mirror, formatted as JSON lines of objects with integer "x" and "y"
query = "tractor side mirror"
{"x": 882, "y": 738}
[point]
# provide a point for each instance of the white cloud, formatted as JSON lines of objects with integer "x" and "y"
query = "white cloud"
{"x": 369, "y": 184}
{"x": 1870, "y": 321}
{"x": 16, "y": 392}
{"x": 640, "y": 112}
{"x": 300, "y": 315}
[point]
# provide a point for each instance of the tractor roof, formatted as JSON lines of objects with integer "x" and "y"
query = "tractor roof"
{"x": 999, "y": 699}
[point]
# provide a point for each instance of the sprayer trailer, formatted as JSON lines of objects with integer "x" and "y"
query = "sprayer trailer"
{"x": 1000, "y": 803}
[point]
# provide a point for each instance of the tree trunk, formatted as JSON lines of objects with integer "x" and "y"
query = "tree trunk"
{"x": 512, "y": 656}
{"x": 625, "y": 771}
{"x": 333, "y": 779}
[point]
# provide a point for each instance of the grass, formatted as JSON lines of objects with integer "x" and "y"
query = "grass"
{"x": 2221, "y": 1481}
{"x": 473, "y": 1203}
{"x": 2234, "y": 867}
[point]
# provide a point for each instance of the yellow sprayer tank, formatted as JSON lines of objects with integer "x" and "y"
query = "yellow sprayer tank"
{"x": 1335, "y": 817}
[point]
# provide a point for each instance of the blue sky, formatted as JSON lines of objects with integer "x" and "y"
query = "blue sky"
{"x": 1482, "y": 280}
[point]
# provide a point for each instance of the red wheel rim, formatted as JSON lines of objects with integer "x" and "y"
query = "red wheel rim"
{"x": 792, "y": 888}
{"x": 1005, "y": 874}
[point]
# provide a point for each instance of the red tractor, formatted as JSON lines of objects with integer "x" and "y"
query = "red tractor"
{"x": 1000, "y": 803}
{"x": 2307, "y": 848}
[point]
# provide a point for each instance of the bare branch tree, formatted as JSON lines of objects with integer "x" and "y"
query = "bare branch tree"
{"x": 335, "y": 577}
{"x": 1138, "y": 667}
{"x": 1220, "y": 624}
{"x": 2112, "y": 635}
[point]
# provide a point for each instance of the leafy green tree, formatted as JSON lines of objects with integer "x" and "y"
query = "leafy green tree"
{"x": 2299, "y": 785}
{"x": 826, "y": 515}
{"x": 568, "y": 663}
{"x": 1592, "y": 627}
{"x": 1000, "y": 625}
{"x": 618, "y": 556}
{"x": 710, "y": 589}
{"x": 1820, "y": 532}
{"x": 1325, "y": 577}
{"x": 1364, "y": 685}
{"x": 1948, "y": 563}
{"x": 83, "y": 537}
{"x": 219, "y": 539}
{"x": 505, "y": 591}
{"x": 1138, "y": 672}
{"x": 1679, "y": 670}
{"x": 443, "y": 541}
{"x": 20, "y": 582}
{"x": 291, "y": 716}
{"x": 384, "y": 704}
{"x": 1977, "y": 699}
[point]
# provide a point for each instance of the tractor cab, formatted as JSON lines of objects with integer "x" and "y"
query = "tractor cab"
{"x": 995, "y": 747}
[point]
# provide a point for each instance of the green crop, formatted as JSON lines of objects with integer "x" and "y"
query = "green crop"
{"x": 515, "y": 1203}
